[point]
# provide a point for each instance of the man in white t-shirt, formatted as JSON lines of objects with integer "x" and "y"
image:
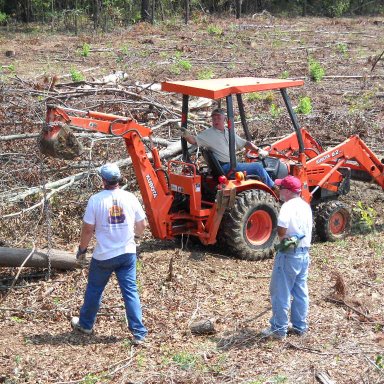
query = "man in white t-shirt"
{"x": 290, "y": 270}
{"x": 116, "y": 217}
{"x": 216, "y": 139}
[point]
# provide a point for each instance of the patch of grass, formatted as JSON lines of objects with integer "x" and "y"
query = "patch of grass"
{"x": 205, "y": 74}
{"x": 342, "y": 48}
{"x": 76, "y": 76}
{"x": 275, "y": 111}
{"x": 305, "y": 105}
{"x": 379, "y": 361}
{"x": 214, "y": 30}
{"x": 180, "y": 64}
{"x": 363, "y": 102}
{"x": 93, "y": 378}
{"x": 184, "y": 360}
{"x": 268, "y": 97}
{"x": 17, "y": 319}
{"x": 284, "y": 75}
{"x": 316, "y": 71}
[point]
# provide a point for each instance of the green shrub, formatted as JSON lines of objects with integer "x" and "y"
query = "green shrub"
{"x": 367, "y": 217}
{"x": 214, "y": 30}
{"x": 316, "y": 71}
{"x": 85, "y": 50}
{"x": 305, "y": 105}
{"x": 336, "y": 8}
{"x": 76, "y": 76}
{"x": 185, "y": 64}
{"x": 3, "y": 18}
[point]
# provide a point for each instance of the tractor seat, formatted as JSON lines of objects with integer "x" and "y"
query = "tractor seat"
{"x": 216, "y": 168}
{"x": 212, "y": 162}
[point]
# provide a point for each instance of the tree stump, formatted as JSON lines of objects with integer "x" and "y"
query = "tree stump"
{"x": 202, "y": 327}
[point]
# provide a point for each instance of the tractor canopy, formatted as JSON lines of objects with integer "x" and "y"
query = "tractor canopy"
{"x": 218, "y": 88}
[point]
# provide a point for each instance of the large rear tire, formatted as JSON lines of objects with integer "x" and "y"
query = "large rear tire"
{"x": 332, "y": 220}
{"x": 249, "y": 229}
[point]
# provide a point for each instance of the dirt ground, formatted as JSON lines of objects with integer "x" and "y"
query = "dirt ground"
{"x": 346, "y": 339}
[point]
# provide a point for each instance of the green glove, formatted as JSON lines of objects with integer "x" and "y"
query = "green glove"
{"x": 288, "y": 242}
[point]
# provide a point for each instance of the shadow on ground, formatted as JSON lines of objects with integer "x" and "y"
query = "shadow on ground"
{"x": 71, "y": 338}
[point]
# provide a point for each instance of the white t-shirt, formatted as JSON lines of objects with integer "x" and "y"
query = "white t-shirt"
{"x": 218, "y": 142}
{"x": 114, "y": 213}
{"x": 296, "y": 216}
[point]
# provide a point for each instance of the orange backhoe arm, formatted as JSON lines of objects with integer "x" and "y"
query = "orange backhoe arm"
{"x": 152, "y": 179}
{"x": 346, "y": 154}
{"x": 96, "y": 121}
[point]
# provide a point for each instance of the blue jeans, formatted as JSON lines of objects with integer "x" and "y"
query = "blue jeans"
{"x": 289, "y": 278}
{"x": 99, "y": 273}
{"x": 252, "y": 169}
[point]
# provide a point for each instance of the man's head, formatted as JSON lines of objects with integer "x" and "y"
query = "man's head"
{"x": 110, "y": 173}
{"x": 290, "y": 187}
{"x": 218, "y": 118}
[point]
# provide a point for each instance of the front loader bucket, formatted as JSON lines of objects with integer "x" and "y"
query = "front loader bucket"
{"x": 60, "y": 142}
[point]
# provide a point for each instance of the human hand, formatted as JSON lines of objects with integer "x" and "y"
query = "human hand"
{"x": 80, "y": 255}
{"x": 263, "y": 153}
{"x": 184, "y": 132}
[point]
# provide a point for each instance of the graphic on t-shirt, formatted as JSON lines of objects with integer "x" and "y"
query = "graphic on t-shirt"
{"x": 116, "y": 214}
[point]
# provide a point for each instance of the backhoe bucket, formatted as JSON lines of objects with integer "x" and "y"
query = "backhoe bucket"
{"x": 60, "y": 142}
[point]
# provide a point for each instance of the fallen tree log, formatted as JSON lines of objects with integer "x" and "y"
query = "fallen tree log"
{"x": 14, "y": 257}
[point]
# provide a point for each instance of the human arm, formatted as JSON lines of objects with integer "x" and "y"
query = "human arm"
{"x": 85, "y": 237}
{"x": 253, "y": 147}
{"x": 281, "y": 232}
{"x": 140, "y": 227}
{"x": 185, "y": 134}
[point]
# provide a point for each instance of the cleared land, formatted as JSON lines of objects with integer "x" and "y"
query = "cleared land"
{"x": 346, "y": 337}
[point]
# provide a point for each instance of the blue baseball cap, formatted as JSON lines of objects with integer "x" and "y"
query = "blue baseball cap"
{"x": 110, "y": 172}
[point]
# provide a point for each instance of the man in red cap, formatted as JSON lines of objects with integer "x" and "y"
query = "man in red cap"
{"x": 290, "y": 270}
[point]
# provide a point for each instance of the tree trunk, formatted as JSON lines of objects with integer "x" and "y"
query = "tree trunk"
{"x": 145, "y": 16}
{"x": 238, "y": 9}
{"x": 186, "y": 11}
{"x": 14, "y": 257}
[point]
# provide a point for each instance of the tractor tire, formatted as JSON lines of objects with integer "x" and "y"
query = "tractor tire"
{"x": 332, "y": 220}
{"x": 248, "y": 230}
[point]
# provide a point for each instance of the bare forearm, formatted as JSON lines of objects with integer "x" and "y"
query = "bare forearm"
{"x": 281, "y": 232}
{"x": 190, "y": 138}
{"x": 251, "y": 146}
{"x": 140, "y": 227}
{"x": 86, "y": 235}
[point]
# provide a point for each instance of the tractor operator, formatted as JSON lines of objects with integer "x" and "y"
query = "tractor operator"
{"x": 290, "y": 270}
{"x": 216, "y": 139}
{"x": 117, "y": 218}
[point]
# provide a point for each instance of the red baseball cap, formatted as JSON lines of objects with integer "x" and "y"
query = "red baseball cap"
{"x": 291, "y": 183}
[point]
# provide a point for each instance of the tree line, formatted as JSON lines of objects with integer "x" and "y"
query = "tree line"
{"x": 106, "y": 13}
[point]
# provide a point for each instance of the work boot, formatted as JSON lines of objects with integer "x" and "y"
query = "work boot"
{"x": 140, "y": 342}
{"x": 77, "y": 327}
{"x": 269, "y": 334}
{"x": 296, "y": 332}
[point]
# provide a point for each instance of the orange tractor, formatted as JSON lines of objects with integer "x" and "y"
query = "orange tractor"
{"x": 233, "y": 209}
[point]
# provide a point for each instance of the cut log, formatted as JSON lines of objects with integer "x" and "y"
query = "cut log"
{"x": 323, "y": 378}
{"x": 14, "y": 257}
{"x": 202, "y": 327}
